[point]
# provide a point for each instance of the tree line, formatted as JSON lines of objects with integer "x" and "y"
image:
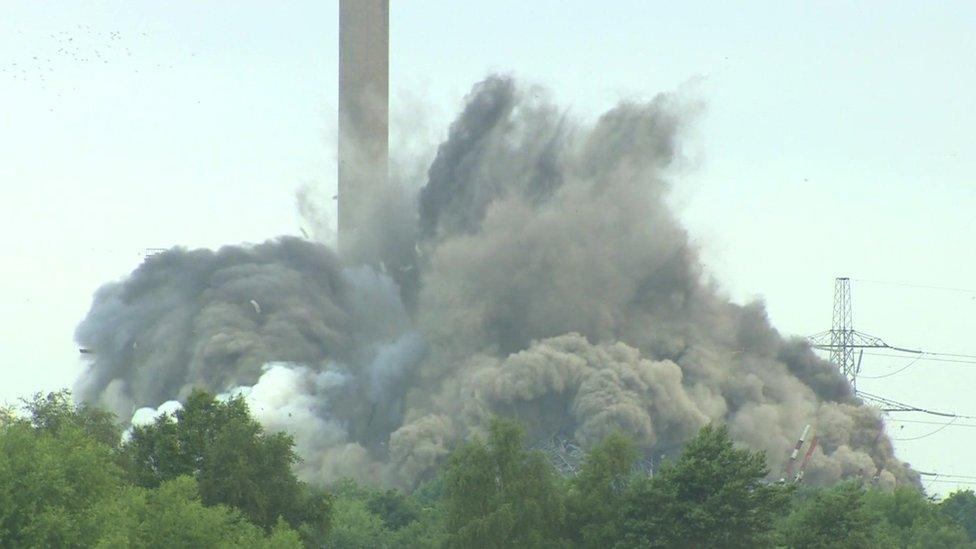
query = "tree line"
{"x": 210, "y": 476}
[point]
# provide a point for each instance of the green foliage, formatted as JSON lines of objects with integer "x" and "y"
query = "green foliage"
{"x": 173, "y": 516}
{"x": 61, "y": 486}
{"x": 49, "y": 481}
{"x": 848, "y": 516}
{"x": 235, "y": 462}
{"x": 394, "y": 508}
{"x": 833, "y": 517}
{"x": 908, "y": 519}
{"x": 427, "y": 531}
{"x": 56, "y": 411}
{"x": 429, "y": 493}
{"x": 211, "y": 477}
{"x": 595, "y": 493}
{"x": 356, "y": 527}
{"x": 367, "y": 518}
{"x": 496, "y": 494}
{"x": 961, "y": 508}
{"x": 712, "y": 496}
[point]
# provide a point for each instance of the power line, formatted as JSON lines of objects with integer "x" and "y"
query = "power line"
{"x": 933, "y": 353}
{"x": 921, "y": 286}
{"x": 915, "y": 361}
{"x": 923, "y": 422}
{"x": 889, "y": 405}
{"x": 947, "y": 478}
{"x": 926, "y": 435}
{"x": 953, "y": 481}
{"x": 896, "y": 372}
{"x": 934, "y": 358}
{"x": 944, "y": 475}
{"x": 929, "y": 483}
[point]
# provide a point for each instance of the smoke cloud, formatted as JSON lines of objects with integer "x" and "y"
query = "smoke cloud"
{"x": 538, "y": 273}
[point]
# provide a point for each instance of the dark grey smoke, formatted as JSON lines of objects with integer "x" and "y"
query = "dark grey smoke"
{"x": 499, "y": 144}
{"x": 538, "y": 273}
{"x": 188, "y": 318}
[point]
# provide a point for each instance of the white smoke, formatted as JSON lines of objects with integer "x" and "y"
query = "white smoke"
{"x": 147, "y": 416}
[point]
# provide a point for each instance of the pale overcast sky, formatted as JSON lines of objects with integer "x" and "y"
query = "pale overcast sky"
{"x": 838, "y": 139}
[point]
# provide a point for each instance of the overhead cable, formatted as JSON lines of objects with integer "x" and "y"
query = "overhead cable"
{"x": 898, "y": 371}
{"x": 889, "y": 405}
{"x": 925, "y": 356}
{"x": 921, "y": 286}
{"x": 923, "y": 422}
{"x": 926, "y": 435}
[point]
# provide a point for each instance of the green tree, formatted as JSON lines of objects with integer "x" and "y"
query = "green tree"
{"x": 497, "y": 494}
{"x": 50, "y": 479}
{"x": 712, "y": 496}
{"x": 910, "y": 520}
{"x": 427, "y": 531}
{"x": 386, "y": 518}
{"x": 61, "y": 486}
{"x": 235, "y": 462}
{"x": 834, "y": 517}
{"x": 596, "y": 492}
{"x": 56, "y": 411}
{"x": 173, "y": 516}
{"x": 356, "y": 527}
{"x": 394, "y": 507}
{"x": 960, "y": 506}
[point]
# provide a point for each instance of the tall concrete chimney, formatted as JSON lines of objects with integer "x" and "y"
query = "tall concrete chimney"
{"x": 364, "y": 90}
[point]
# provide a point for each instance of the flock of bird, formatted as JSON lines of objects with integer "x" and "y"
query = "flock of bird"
{"x": 66, "y": 49}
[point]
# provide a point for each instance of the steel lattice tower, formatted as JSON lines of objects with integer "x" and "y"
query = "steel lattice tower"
{"x": 842, "y": 330}
{"x": 841, "y": 340}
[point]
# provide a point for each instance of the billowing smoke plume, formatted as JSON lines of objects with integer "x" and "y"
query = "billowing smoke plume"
{"x": 537, "y": 274}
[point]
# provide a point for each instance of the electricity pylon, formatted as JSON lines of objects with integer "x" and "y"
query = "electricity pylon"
{"x": 842, "y": 339}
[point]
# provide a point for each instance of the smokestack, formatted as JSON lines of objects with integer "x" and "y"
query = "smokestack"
{"x": 364, "y": 82}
